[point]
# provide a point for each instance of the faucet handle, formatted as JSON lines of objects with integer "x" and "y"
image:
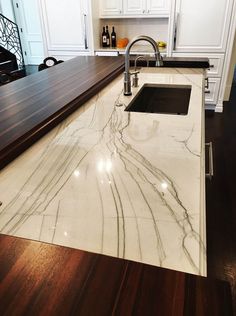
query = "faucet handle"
{"x": 159, "y": 59}
{"x": 135, "y": 78}
{"x": 134, "y": 72}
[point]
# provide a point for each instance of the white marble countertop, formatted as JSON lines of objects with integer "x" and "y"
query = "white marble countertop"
{"x": 124, "y": 184}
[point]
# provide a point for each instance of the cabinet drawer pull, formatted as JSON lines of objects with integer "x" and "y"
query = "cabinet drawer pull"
{"x": 210, "y": 174}
{"x": 207, "y": 91}
{"x": 85, "y": 32}
{"x": 211, "y": 66}
{"x": 175, "y": 31}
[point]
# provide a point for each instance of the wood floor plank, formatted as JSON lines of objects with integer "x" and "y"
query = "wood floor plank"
{"x": 221, "y": 196}
{"x": 44, "y": 279}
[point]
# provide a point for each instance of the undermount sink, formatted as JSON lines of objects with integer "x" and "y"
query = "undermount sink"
{"x": 157, "y": 98}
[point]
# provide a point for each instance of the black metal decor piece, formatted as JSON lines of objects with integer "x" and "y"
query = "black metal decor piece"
{"x": 10, "y": 39}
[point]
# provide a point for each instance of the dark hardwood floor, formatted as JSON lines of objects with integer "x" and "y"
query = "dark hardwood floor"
{"x": 42, "y": 279}
{"x": 221, "y": 195}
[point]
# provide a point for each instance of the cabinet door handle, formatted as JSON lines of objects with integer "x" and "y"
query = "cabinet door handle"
{"x": 207, "y": 83}
{"x": 175, "y": 30}
{"x": 211, "y": 66}
{"x": 210, "y": 174}
{"x": 85, "y": 32}
{"x": 207, "y": 91}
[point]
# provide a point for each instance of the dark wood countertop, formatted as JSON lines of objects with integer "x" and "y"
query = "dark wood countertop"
{"x": 42, "y": 279}
{"x": 31, "y": 106}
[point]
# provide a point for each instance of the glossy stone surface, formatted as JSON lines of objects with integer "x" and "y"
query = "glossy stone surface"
{"x": 129, "y": 185}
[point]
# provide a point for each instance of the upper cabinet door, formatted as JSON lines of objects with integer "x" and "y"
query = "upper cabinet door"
{"x": 158, "y": 7}
{"x": 134, "y": 7}
{"x": 202, "y": 26}
{"x": 111, "y": 7}
{"x": 65, "y": 24}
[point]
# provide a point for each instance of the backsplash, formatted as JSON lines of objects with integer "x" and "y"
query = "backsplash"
{"x": 155, "y": 28}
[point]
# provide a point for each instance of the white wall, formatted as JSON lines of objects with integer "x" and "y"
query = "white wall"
{"x": 6, "y": 9}
{"x": 231, "y": 72}
{"x": 96, "y": 23}
{"x": 27, "y": 18}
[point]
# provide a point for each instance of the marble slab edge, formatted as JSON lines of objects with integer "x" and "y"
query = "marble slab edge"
{"x": 14, "y": 149}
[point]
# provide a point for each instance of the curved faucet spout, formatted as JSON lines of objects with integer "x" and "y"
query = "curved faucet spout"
{"x": 127, "y": 74}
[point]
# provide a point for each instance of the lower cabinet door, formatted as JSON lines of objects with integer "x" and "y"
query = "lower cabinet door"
{"x": 212, "y": 92}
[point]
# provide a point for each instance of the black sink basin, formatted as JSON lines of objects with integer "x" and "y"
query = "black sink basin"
{"x": 166, "y": 99}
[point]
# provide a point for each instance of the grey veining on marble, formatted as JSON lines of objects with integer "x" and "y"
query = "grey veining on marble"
{"x": 123, "y": 184}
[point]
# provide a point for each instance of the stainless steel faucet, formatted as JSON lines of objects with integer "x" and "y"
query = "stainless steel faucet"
{"x": 127, "y": 73}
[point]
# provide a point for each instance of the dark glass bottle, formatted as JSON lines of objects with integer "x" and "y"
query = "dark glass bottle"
{"x": 113, "y": 37}
{"x": 104, "y": 37}
{"x": 108, "y": 36}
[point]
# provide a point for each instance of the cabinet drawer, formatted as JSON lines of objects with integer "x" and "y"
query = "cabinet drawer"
{"x": 215, "y": 60}
{"x": 216, "y": 66}
{"x": 211, "y": 94}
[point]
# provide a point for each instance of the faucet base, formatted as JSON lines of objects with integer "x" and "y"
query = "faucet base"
{"x": 127, "y": 73}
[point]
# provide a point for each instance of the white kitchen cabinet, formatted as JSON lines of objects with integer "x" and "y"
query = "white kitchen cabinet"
{"x": 111, "y": 8}
{"x": 216, "y": 65}
{"x": 202, "y": 26}
{"x": 205, "y": 29}
{"x": 67, "y": 28}
{"x": 216, "y": 62}
{"x": 158, "y": 7}
{"x": 214, "y": 74}
{"x": 134, "y": 8}
{"x": 212, "y": 92}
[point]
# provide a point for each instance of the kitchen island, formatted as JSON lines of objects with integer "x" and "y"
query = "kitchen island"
{"x": 129, "y": 185}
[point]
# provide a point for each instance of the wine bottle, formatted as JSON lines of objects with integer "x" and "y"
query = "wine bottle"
{"x": 113, "y": 37}
{"x": 104, "y": 37}
{"x": 108, "y": 36}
